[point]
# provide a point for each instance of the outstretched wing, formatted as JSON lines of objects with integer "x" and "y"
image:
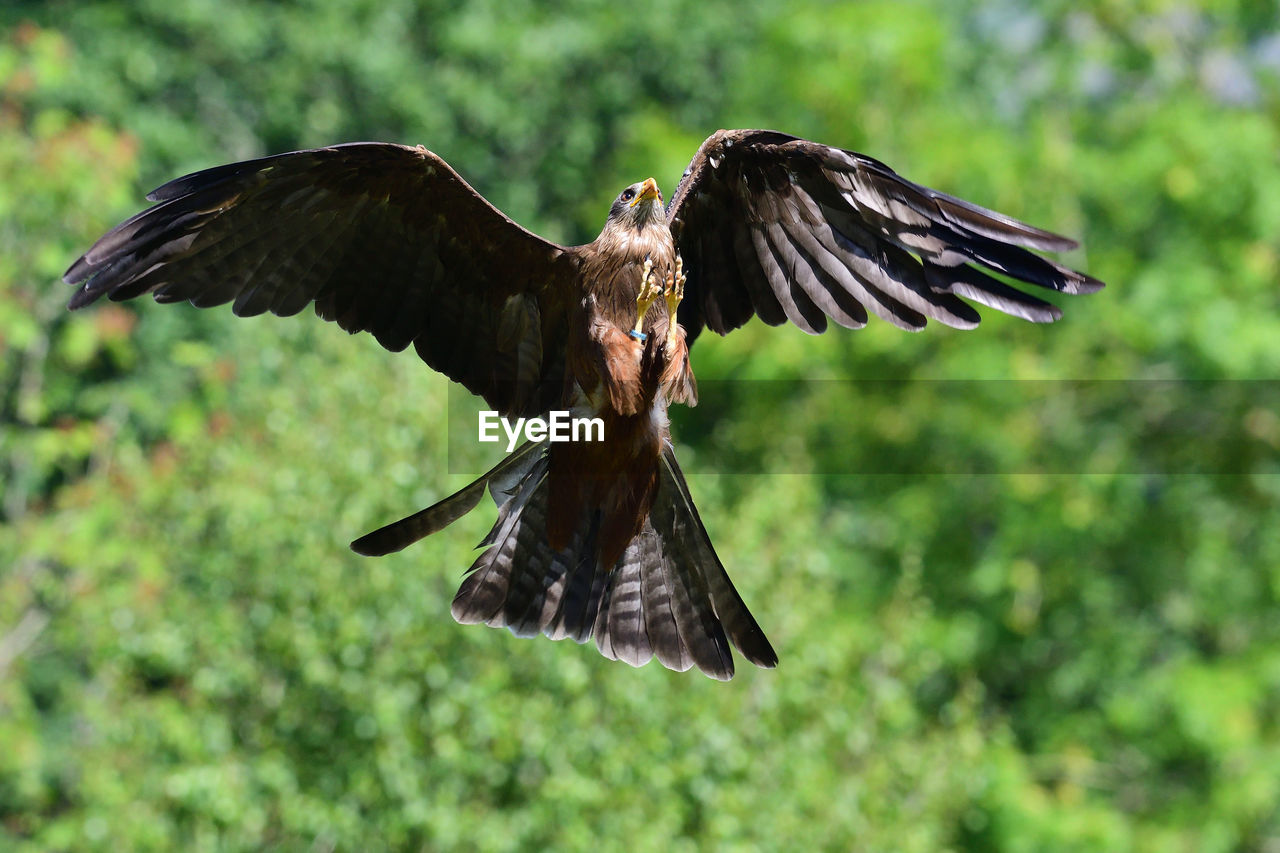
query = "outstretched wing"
{"x": 382, "y": 238}
{"x": 788, "y": 229}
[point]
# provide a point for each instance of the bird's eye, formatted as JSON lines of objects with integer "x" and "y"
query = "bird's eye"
{"x": 628, "y": 194}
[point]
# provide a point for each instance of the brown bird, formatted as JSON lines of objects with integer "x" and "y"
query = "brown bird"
{"x": 592, "y": 538}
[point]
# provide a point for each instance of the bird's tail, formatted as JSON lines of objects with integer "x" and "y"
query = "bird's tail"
{"x": 667, "y": 596}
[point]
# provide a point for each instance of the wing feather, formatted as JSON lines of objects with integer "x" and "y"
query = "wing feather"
{"x": 382, "y": 238}
{"x": 817, "y": 232}
{"x": 765, "y": 299}
{"x": 821, "y": 275}
{"x": 790, "y": 267}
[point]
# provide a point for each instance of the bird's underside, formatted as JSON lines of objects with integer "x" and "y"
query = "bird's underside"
{"x": 593, "y": 539}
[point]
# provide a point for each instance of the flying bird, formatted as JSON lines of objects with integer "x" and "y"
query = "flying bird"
{"x": 592, "y": 539}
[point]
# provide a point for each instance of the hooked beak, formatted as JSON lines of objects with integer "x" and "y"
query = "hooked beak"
{"x": 648, "y": 190}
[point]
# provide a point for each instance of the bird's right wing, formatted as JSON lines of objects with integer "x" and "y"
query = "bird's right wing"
{"x": 382, "y": 238}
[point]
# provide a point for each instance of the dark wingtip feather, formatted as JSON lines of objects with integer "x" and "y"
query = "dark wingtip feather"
{"x": 973, "y": 284}
{"x": 78, "y": 271}
{"x": 760, "y": 652}
{"x": 1088, "y": 284}
{"x": 998, "y": 226}
{"x": 84, "y": 296}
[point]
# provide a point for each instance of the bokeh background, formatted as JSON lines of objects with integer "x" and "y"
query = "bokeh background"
{"x": 1024, "y": 586}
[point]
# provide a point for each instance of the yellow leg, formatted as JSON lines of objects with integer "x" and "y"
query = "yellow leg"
{"x": 649, "y": 290}
{"x": 674, "y": 294}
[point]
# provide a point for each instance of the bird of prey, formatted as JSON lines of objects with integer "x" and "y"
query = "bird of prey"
{"x": 593, "y": 539}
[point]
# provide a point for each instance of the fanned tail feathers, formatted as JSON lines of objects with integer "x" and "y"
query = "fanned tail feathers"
{"x": 667, "y": 596}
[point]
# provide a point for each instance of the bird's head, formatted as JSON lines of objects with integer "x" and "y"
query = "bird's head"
{"x": 637, "y": 206}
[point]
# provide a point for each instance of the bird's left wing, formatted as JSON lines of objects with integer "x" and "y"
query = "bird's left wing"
{"x": 792, "y": 230}
{"x": 383, "y": 238}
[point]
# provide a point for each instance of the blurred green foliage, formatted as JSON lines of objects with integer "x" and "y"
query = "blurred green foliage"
{"x": 1079, "y": 650}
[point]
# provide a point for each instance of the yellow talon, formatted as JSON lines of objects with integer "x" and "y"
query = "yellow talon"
{"x": 674, "y": 291}
{"x": 649, "y": 291}
{"x": 674, "y": 294}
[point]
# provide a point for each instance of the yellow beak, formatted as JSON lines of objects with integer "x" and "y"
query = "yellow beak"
{"x": 648, "y": 190}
